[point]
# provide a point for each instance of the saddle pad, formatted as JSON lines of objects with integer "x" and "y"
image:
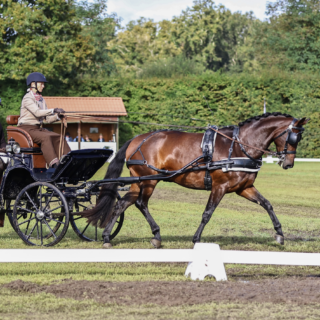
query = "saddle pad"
{"x": 208, "y": 143}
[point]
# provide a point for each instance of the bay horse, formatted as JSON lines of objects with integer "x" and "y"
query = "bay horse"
{"x": 171, "y": 150}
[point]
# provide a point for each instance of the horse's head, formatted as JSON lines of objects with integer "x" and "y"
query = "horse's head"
{"x": 287, "y": 142}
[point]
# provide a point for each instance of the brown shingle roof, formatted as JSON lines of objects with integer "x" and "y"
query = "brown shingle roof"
{"x": 97, "y": 106}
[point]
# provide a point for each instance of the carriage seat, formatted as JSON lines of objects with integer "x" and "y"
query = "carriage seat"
{"x": 24, "y": 139}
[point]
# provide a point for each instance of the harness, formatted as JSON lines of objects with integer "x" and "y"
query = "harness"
{"x": 248, "y": 164}
{"x": 292, "y": 139}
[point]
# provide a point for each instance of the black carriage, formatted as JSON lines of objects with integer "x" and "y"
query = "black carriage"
{"x": 40, "y": 202}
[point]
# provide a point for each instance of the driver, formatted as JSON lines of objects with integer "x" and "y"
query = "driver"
{"x": 3, "y": 158}
{"x": 32, "y": 114}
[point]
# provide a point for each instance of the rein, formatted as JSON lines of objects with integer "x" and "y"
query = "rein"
{"x": 247, "y": 145}
{"x": 280, "y": 154}
{"x": 64, "y": 125}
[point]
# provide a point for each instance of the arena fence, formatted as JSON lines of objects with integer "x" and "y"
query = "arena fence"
{"x": 206, "y": 259}
{"x": 270, "y": 159}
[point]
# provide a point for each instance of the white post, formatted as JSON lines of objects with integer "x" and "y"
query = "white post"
{"x": 207, "y": 262}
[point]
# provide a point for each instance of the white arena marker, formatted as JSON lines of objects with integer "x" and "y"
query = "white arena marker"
{"x": 207, "y": 262}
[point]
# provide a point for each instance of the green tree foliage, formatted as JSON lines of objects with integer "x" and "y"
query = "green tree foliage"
{"x": 143, "y": 41}
{"x": 291, "y": 39}
{"x": 208, "y": 34}
{"x": 213, "y": 35}
{"x": 100, "y": 28}
{"x": 41, "y": 35}
{"x": 172, "y": 67}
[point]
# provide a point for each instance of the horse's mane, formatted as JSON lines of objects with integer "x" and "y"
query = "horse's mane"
{"x": 265, "y": 115}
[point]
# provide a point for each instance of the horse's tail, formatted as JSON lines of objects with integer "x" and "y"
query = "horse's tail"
{"x": 102, "y": 212}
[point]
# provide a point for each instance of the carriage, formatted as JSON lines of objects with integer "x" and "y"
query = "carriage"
{"x": 40, "y": 202}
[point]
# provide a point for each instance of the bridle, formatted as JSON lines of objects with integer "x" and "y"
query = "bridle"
{"x": 292, "y": 138}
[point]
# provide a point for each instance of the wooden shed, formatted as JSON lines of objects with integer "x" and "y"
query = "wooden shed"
{"x": 107, "y": 109}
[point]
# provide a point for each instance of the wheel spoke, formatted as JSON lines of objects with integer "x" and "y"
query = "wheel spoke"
{"x": 85, "y": 229}
{"x": 96, "y": 233}
{"x": 40, "y": 199}
{"x": 25, "y": 209}
{"x": 54, "y": 209}
{"x": 50, "y": 228}
{"x": 77, "y": 218}
{"x": 37, "y": 231}
{"x": 32, "y": 230}
{"x": 51, "y": 195}
{"x": 34, "y": 205}
{"x": 26, "y": 222}
{"x": 41, "y": 233}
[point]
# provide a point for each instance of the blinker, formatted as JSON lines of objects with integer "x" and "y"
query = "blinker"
{"x": 293, "y": 138}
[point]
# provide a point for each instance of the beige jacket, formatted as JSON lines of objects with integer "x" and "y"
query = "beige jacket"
{"x": 34, "y": 112}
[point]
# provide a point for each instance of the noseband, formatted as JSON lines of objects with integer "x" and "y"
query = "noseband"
{"x": 292, "y": 138}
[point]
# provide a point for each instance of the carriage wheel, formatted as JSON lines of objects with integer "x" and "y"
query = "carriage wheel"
{"x": 84, "y": 230}
{"x": 40, "y": 214}
{"x": 9, "y": 210}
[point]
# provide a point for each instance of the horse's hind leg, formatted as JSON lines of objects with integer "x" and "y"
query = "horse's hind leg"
{"x": 254, "y": 195}
{"x": 120, "y": 207}
{"x": 142, "y": 204}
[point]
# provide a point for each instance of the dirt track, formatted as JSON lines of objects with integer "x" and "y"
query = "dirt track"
{"x": 294, "y": 290}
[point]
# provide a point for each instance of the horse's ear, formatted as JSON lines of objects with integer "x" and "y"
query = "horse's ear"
{"x": 302, "y": 122}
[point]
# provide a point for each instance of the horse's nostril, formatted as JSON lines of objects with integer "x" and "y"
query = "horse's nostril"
{"x": 289, "y": 166}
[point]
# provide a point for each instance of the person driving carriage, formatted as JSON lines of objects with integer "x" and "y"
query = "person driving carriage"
{"x": 3, "y": 158}
{"x": 32, "y": 114}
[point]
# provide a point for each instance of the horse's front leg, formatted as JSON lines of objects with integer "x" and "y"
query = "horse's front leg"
{"x": 214, "y": 200}
{"x": 254, "y": 195}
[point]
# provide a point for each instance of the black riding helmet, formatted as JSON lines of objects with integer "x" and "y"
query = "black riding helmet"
{"x": 35, "y": 77}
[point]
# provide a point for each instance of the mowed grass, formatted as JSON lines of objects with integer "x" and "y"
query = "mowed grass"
{"x": 237, "y": 224}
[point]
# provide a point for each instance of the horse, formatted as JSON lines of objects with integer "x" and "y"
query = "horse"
{"x": 171, "y": 150}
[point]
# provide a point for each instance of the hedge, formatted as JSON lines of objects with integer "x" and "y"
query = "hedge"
{"x": 231, "y": 99}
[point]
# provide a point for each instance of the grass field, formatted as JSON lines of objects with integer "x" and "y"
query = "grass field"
{"x": 236, "y": 224}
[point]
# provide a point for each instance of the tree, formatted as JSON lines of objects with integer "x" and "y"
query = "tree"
{"x": 44, "y": 36}
{"x": 100, "y": 28}
{"x": 291, "y": 39}
{"x": 142, "y": 42}
{"x": 212, "y": 34}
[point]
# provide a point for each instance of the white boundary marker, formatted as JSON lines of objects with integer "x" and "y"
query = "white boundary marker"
{"x": 269, "y": 159}
{"x": 206, "y": 259}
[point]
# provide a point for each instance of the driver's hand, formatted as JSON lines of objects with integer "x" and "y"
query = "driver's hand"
{"x": 58, "y": 111}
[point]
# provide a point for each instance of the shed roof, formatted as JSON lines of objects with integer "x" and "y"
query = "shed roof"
{"x": 103, "y": 106}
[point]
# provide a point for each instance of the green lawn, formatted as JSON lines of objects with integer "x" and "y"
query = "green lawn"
{"x": 236, "y": 224}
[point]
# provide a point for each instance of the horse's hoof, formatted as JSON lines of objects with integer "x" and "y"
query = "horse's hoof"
{"x": 156, "y": 243}
{"x": 279, "y": 239}
{"x": 107, "y": 245}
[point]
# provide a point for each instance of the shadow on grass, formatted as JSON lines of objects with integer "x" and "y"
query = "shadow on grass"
{"x": 221, "y": 240}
